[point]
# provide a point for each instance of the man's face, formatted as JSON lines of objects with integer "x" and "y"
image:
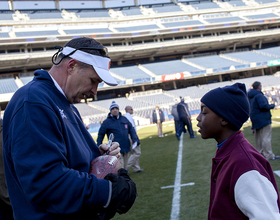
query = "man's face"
{"x": 157, "y": 108}
{"x": 129, "y": 109}
{"x": 115, "y": 111}
{"x": 81, "y": 83}
{"x": 209, "y": 123}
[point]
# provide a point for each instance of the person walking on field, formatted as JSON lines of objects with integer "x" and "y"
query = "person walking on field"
{"x": 185, "y": 118}
{"x": 261, "y": 121}
{"x": 135, "y": 152}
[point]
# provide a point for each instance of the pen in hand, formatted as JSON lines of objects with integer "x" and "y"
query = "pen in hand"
{"x": 111, "y": 138}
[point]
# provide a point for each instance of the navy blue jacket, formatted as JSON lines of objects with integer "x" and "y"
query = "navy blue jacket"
{"x": 161, "y": 115}
{"x": 260, "y": 109}
{"x": 174, "y": 112}
{"x": 120, "y": 127}
{"x": 47, "y": 154}
{"x": 183, "y": 110}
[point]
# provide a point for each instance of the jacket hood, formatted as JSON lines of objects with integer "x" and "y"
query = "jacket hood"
{"x": 252, "y": 93}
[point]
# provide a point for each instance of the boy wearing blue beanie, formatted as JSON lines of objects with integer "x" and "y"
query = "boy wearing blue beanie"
{"x": 242, "y": 181}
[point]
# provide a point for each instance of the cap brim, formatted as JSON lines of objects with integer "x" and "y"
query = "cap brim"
{"x": 106, "y": 76}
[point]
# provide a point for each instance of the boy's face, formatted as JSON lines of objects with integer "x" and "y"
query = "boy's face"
{"x": 210, "y": 123}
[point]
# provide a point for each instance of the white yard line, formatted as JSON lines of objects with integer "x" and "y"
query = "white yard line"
{"x": 175, "y": 212}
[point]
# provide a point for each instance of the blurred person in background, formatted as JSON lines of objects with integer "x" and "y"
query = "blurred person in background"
{"x": 135, "y": 152}
{"x": 177, "y": 122}
{"x": 121, "y": 128}
{"x": 261, "y": 120}
{"x": 158, "y": 118}
{"x": 185, "y": 118}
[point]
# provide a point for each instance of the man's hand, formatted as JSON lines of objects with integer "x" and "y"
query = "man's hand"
{"x": 113, "y": 151}
{"x": 123, "y": 193}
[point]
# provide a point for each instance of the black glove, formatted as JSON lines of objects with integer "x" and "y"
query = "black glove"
{"x": 138, "y": 142}
{"x": 123, "y": 193}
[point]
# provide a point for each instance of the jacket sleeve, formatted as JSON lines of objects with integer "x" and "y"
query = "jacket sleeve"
{"x": 263, "y": 103}
{"x": 39, "y": 156}
{"x": 257, "y": 201}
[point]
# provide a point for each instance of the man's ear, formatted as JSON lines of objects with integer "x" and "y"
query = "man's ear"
{"x": 71, "y": 65}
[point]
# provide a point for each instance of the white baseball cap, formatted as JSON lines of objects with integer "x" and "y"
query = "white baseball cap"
{"x": 100, "y": 64}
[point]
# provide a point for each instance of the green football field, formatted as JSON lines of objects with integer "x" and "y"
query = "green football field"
{"x": 159, "y": 157}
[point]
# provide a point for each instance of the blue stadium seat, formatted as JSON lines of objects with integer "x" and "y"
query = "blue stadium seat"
{"x": 261, "y": 16}
{"x": 8, "y": 85}
{"x": 4, "y": 35}
{"x": 168, "y": 67}
{"x": 36, "y": 33}
{"x": 130, "y": 72}
{"x": 137, "y": 28}
{"x": 223, "y": 19}
{"x": 182, "y": 23}
{"x": 87, "y": 31}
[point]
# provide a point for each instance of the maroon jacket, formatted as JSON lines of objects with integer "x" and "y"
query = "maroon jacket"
{"x": 236, "y": 157}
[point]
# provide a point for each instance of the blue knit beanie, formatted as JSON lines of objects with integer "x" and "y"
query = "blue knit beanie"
{"x": 114, "y": 105}
{"x": 229, "y": 102}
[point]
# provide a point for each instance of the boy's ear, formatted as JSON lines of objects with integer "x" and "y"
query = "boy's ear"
{"x": 224, "y": 122}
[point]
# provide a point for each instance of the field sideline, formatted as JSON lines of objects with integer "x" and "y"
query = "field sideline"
{"x": 159, "y": 161}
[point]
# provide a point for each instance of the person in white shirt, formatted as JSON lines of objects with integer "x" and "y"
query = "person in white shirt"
{"x": 135, "y": 152}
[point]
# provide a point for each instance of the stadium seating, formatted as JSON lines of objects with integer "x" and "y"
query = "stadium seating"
{"x": 214, "y": 61}
{"x": 168, "y": 67}
{"x": 4, "y": 35}
{"x": 86, "y": 110}
{"x": 273, "y": 51}
{"x": 8, "y": 85}
{"x": 237, "y": 3}
{"x": 87, "y": 31}
{"x": 182, "y": 23}
{"x": 223, "y": 19}
{"x": 137, "y": 28}
{"x": 6, "y": 15}
{"x": 130, "y": 72}
{"x": 80, "y": 4}
{"x": 131, "y": 12}
{"x": 33, "y": 5}
{"x": 266, "y": 1}
{"x": 249, "y": 56}
{"x": 261, "y": 16}
{"x": 203, "y": 5}
{"x": 92, "y": 13}
{"x": 167, "y": 8}
{"x": 155, "y": 99}
{"x": 43, "y": 14}
{"x": 26, "y": 79}
{"x": 36, "y": 33}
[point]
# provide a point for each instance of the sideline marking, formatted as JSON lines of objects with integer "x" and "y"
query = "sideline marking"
{"x": 184, "y": 184}
{"x": 175, "y": 211}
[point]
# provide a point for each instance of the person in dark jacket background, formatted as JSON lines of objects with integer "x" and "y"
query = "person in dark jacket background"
{"x": 185, "y": 118}
{"x": 121, "y": 127}
{"x": 261, "y": 120}
{"x": 177, "y": 122}
{"x": 158, "y": 118}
